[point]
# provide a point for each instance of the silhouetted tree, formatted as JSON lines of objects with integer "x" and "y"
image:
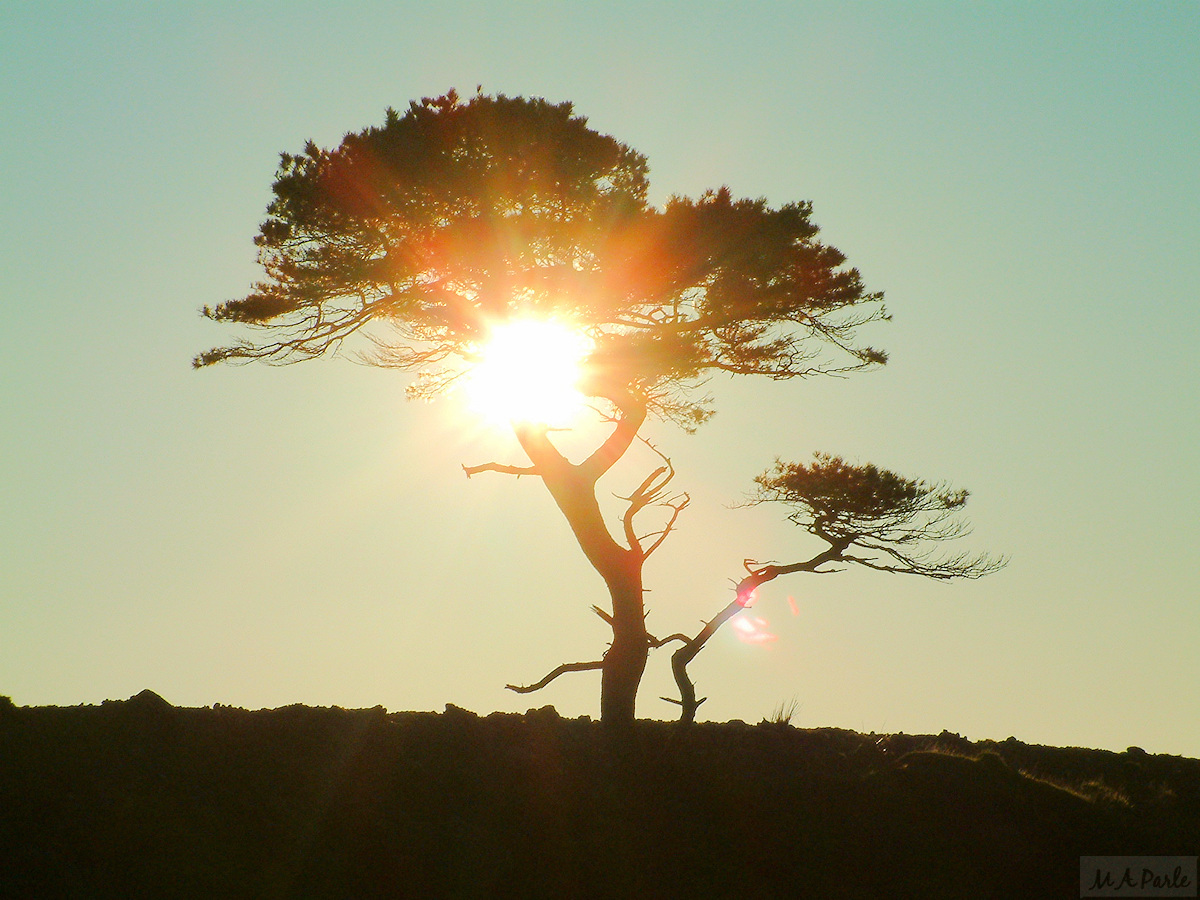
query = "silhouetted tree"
{"x": 425, "y": 233}
{"x": 864, "y": 515}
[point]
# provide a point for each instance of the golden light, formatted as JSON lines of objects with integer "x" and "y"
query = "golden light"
{"x": 527, "y": 372}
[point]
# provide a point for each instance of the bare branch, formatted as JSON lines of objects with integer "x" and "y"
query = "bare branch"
{"x": 652, "y": 492}
{"x": 680, "y": 702}
{"x": 677, "y": 505}
{"x": 646, "y": 493}
{"x": 741, "y": 599}
{"x": 561, "y": 670}
{"x": 655, "y": 643}
{"x": 502, "y": 469}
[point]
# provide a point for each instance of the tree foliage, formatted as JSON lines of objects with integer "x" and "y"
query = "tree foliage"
{"x": 898, "y": 522}
{"x": 461, "y": 214}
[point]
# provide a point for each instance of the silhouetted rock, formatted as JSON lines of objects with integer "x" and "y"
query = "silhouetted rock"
{"x": 148, "y": 700}
{"x": 458, "y": 714}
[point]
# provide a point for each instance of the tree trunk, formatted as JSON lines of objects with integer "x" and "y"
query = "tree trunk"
{"x": 626, "y": 658}
{"x": 573, "y": 488}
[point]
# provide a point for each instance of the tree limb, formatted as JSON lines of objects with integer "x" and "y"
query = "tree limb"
{"x": 501, "y": 468}
{"x": 645, "y": 494}
{"x": 633, "y": 414}
{"x": 678, "y": 505}
{"x": 742, "y": 594}
{"x": 650, "y": 492}
{"x": 655, "y": 643}
{"x": 561, "y": 670}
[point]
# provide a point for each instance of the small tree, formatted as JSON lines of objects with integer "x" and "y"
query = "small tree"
{"x": 449, "y": 221}
{"x": 865, "y": 516}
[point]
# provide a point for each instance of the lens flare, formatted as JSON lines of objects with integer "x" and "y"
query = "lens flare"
{"x": 752, "y": 629}
{"x": 748, "y": 600}
{"x": 528, "y": 371}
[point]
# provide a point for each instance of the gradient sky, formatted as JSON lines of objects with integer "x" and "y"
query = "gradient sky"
{"x": 1020, "y": 179}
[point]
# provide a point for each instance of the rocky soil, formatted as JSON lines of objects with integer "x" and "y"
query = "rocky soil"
{"x": 137, "y": 798}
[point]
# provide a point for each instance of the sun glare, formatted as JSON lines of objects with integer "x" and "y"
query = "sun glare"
{"x": 528, "y": 373}
{"x": 752, "y": 629}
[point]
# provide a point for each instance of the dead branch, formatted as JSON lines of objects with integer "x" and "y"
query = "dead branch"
{"x": 742, "y": 593}
{"x": 655, "y": 643}
{"x": 561, "y": 670}
{"x": 501, "y": 468}
{"x": 652, "y": 492}
{"x": 645, "y": 494}
{"x": 677, "y": 505}
{"x": 680, "y": 703}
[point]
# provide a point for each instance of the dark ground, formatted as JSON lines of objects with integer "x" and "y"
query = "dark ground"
{"x": 139, "y": 799}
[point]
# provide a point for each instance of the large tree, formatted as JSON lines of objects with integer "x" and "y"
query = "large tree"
{"x": 427, "y": 234}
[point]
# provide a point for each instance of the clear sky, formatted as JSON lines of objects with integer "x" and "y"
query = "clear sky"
{"x": 1020, "y": 179}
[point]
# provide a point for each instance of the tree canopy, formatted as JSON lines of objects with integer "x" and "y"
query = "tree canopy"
{"x": 463, "y": 213}
{"x": 896, "y": 522}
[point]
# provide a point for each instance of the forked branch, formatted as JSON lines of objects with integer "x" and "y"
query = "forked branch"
{"x": 653, "y": 492}
{"x": 625, "y": 430}
{"x": 677, "y": 505}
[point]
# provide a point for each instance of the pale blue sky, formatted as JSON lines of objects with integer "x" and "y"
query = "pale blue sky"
{"x": 1020, "y": 179}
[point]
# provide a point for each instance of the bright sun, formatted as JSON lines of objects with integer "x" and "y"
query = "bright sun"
{"x": 527, "y": 373}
